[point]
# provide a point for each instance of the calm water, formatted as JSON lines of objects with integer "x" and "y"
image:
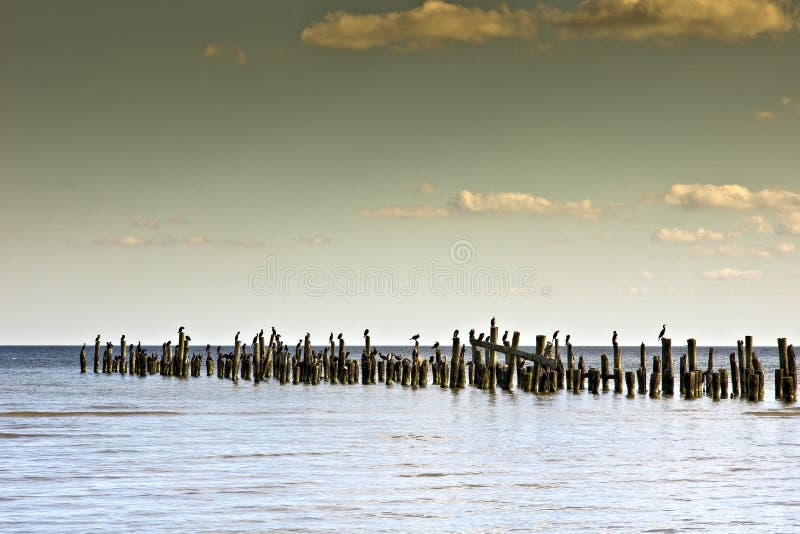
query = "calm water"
{"x": 120, "y": 453}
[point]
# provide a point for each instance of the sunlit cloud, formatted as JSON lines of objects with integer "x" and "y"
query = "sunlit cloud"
{"x": 764, "y": 115}
{"x": 673, "y": 20}
{"x": 433, "y": 24}
{"x": 469, "y": 202}
{"x": 241, "y": 243}
{"x": 220, "y": 51}
{"x": 679, "y": 235}
{"x": 316, "y": 240}
{"x": 790, "y": 223}
{"x": 427, "y": 189}
{"x": 732, "y": 274}
{"x": 159, "y": 240}
{"x": 647, "y": 275}
{"x": 758, "y": 224}
{"x": 733, "y": 196}
{"x": 423, "y": 212}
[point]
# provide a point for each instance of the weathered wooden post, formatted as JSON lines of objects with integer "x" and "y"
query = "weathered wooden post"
{"x": 691, "y": 347}
{"x": 491, "y": 363}
{"x": 642, "y": 371}
{"x": 604, "y": 371}
{"x": 630, "y": 382}
{"x": 791, "y": 393}
{"x": 710, "y": 371}
{"x": 209, "y": 362}
{"x": 455, "y": 357}
{"x": 177, "y": 365}
{"x": 683, "y": 373}
{"x": 559, "y": 366}
{"x": 667, "y": 372}
{"x": 723, "y": 383}
{"x": 96, "y": 354}
{"x": 735, "y": 382}
{"x": 656, "y": 378}
{"x": 237, "y": 348}
{"x": 83, "y": 358}
{"x": 617, "y": 370}
{"x": 715, "y": 385}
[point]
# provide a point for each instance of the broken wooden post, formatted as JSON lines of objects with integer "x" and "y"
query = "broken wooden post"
{"x": 83, "y": 358}
{"x": 617, "y": 370}
{"x": 604, "y": 371}
{"x": 237, "y": 348}
{"x": 735, "y": 382}
{"x": 723, "y": 383}
{"x": 96, "y": 353}
{"x": 641, "y": 373}
{"x": 709, "y": 372}
{"x": 630, "y": 382}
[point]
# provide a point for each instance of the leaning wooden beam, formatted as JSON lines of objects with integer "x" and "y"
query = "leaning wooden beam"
{"x": 550, "y": 363}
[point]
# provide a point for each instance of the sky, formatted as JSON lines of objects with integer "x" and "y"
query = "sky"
{"x": 408, "y": 167}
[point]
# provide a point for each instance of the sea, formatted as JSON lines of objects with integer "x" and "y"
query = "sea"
{"x": 120, "y": 453}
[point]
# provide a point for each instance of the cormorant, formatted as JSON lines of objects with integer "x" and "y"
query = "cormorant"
{"x": 415, "y": 337}
{"x": 614, "y": 337}
{"x": 97, "y": 338}
{"x": 180, "y": 330}
{"x": 472, "y": 334}
{"x": 435, "y": 345}
{"x": 480, "y": 337}
{"x": 455, "y": 334}
{"x": 566, "y": 341}
{"x": 237, "y": 336}
{"x": 366, "y": 332}
{"x": 663, "y": 331}
{"x": 339, "y": 336}
{"x": 555, "y": 334}
{"x": 505, "y": 336}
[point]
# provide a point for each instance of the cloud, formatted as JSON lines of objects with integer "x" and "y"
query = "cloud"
{"x": 648, "y": 275}
{"x": 433, "y": 24}
{"x": 316, "y": 240}
{"x": 790, "y": 223}
{"x": 469, "y": 202}
{"x": 159, "y": 240}
{"x": 733, "y": 196}
{"x": 757, "y": 223}
{"x": 427, "y": 189}
{"x": 151, "y": 224}
{"x": 241, "y": 243}
{"x": 732, "y": 274}
{"x": 678, "y": 235}
{"x": 764, "y": 116}
{"x": 638, "y": 291}
{"x": 221, "y": 51}
{"x": 424, "y": 212}
{"x": 671, "y": 20}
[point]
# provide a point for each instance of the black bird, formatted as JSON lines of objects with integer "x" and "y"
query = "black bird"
{"x": 472, "y": 334}
{"x": 84, "y": 345}
{"x": 180, "y": 330}
{"x": 331, "y": 337}
{"x": 505, "y": 336}
{"x": 208, "y": 347}
{"x": 435, "y": 345}
{"x": 455, "y": 334}
{"x": 382, "y": 357}
{"x": 415, "y": 337}
{"x": 663, "y": 331}
{"x": 566, "y": 341}
{"x": 366, "y": 332}
{"x": 555, "y": 334}
{"x": 480, "y": 337}
{"x": 493, "y": 322}
{"x": 614, "y": 337}
{"x": 261, "y": 334}
{"x": 187, "y": 338}
{"x": 339, "y": 336}
{"x": 273, "y": 330}
{"x": 97, "y": 338}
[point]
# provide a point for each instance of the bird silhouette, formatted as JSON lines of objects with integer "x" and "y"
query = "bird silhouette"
{"x": 555, "y": 334}
{"x": 180, "y": 330}
{"x": 663, "y": 331}
{"x": 472, "y": 334}
{"x": 97, "y": 338}
{"x": 435, "y": 345}
{"x": 505, "y": 336}
{"x": 614, "y": 337}
{"x": 455, "y": 333}
{"x": 415, "y": 337}
{"x": 480, "y": 337}
{"x": 493, "y": 322}
{"x": 331, "y": 337}
{"x": 567, "y": 339}
{"x": 339, "y": 336}
{"x": 366, "y": 332}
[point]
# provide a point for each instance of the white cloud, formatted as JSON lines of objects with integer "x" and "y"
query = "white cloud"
{"x": 679, "y": 235}
{"x": 470, "y": 202}
{"x": 732, "y": 274}
{"x": 648, "y": 275}
{"x": 670, "y": 20}
{"x": 424, "y": 212}
{"x": 638, "y": 291}
{"x": 427, "y": 189}
{"x": 758, "y": 223}
{"x": 433, "y": 24}
{"x": 695, "y": 196}
{"x": 152, "y": 224}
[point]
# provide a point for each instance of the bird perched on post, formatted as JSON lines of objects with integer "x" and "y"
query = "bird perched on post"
{"x": 472, "y": 334}
{"x": 480, "y": 337}
{"x": 237, "y": 336}
{"x": 663, "y": 331}
{"x": 435, "y": 345}
{"x": 415, "y": 337}
{"x": 97, "y": 338}
{"x": 493, "y": 322}
{"x": 555, "y": 334}
{"x": 366, "y": 332}
{"x": 455, "y": 334}
{"x": 566, "y": 340}
{"x": 614, "y": 338}
{"x": 505, "y": 336}
{"x": 339, "y": 337}
{"x": 180, "y": 330}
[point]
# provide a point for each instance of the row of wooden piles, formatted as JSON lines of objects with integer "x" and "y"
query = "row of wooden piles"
{"x": 547, "y": 374}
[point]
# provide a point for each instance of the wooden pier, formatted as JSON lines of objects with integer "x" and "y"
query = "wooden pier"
{"x": 541, "y": 372}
